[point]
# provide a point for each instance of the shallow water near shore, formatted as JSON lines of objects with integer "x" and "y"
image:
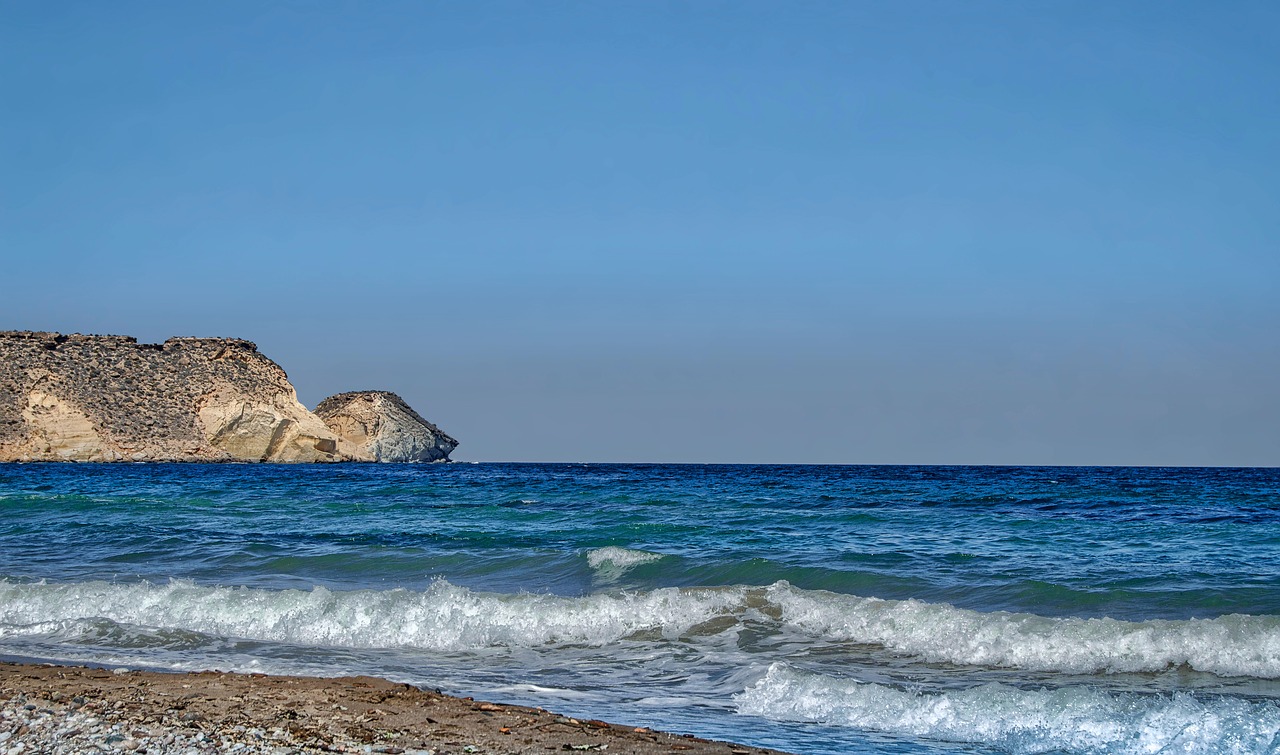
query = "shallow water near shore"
{"x": 813, "y": 609}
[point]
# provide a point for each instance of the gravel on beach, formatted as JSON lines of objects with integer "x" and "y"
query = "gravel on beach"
{"x": 70, "y": 710}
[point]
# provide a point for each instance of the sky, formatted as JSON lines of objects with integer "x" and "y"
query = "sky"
{"x": 788, "y": 232}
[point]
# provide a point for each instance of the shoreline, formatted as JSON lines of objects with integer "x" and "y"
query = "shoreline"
{"x": 63, "y": 709}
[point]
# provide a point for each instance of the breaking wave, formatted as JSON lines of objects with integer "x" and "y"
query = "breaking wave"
{"x": 611, "y": 563}
{"x": 1234, "y": 645}
{"x": 619, "y": 557}
{"x": 443, "y": 617}
{"x": 449, "y": 617}
{"x": 1075, "y": 719}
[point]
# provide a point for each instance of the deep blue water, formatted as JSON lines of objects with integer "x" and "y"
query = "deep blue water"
{"x": 816, "y": 609}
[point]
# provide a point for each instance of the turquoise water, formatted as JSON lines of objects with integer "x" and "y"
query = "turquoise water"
{"x": 813, "y": 609}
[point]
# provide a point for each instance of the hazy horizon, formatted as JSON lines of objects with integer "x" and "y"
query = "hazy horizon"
{"x": 842, "y": 233}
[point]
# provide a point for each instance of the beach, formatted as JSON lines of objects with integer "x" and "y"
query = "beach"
{"x": 58, "y": 710}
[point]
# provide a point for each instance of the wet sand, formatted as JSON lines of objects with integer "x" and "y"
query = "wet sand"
{"x": 64, "y": 710}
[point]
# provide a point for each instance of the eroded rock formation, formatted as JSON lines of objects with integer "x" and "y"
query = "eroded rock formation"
{"x": 382, "y": 425}
{"x": 110, "y": 398}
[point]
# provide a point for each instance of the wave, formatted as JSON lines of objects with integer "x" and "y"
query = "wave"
{"x": 611, "y": 562}
{"x": 1075, "y": 719}
{"x": 619, "y": 557}
{"x": 443, "y": 617}
{"x": 449, "y": 617}
{"x": 1233, "y": 645}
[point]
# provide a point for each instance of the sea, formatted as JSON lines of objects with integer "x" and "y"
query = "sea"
{"x": 814, "y": 609}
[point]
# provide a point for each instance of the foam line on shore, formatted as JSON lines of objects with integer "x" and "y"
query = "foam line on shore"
{"x": 1075, "y": 719}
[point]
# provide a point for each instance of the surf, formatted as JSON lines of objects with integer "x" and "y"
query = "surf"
{"x": 1021, "y": 721}
{"x": 451, "y": 617}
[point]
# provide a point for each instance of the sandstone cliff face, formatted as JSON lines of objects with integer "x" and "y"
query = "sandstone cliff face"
{"x": 380, "y": 424}
{"x": 110, "y": 398}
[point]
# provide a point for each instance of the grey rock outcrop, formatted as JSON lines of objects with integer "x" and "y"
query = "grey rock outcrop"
{"x": 110, "y": 398}
{"x": 380, "y": 424}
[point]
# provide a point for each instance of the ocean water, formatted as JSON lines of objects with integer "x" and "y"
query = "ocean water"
{"x": 815, "y": 609}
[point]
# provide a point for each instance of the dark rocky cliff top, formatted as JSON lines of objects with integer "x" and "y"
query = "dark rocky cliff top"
{"x": 54, "y": 341}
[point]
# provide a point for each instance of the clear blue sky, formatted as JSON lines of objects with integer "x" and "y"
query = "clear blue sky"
{"x": 859, "y": 232}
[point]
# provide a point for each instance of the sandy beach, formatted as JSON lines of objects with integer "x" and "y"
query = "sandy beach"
{"x": 60, "y": 710}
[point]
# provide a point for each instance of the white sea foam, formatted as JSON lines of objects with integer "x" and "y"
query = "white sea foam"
{"x": 1078, "y": 720}
{"x": 619, "y": 557}
{"x": 449, "y": 617}
{"x": 1235, "y": 645}
{"x": 611, "y": 562}
{"x": 443, "y": 617}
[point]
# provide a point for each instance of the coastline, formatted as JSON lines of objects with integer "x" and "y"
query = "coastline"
{"x": 57, "y": 709}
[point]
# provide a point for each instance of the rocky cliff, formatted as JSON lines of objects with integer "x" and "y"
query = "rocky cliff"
{"x": 110, "y": 398}
{"x": 382, "y": 425}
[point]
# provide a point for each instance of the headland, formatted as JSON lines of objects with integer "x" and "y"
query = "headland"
{"x": 109, "y": 398}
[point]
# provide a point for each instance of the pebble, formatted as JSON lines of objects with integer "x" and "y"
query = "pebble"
{"x": 76, "y": 726}
{"x": 68, "y": 728}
